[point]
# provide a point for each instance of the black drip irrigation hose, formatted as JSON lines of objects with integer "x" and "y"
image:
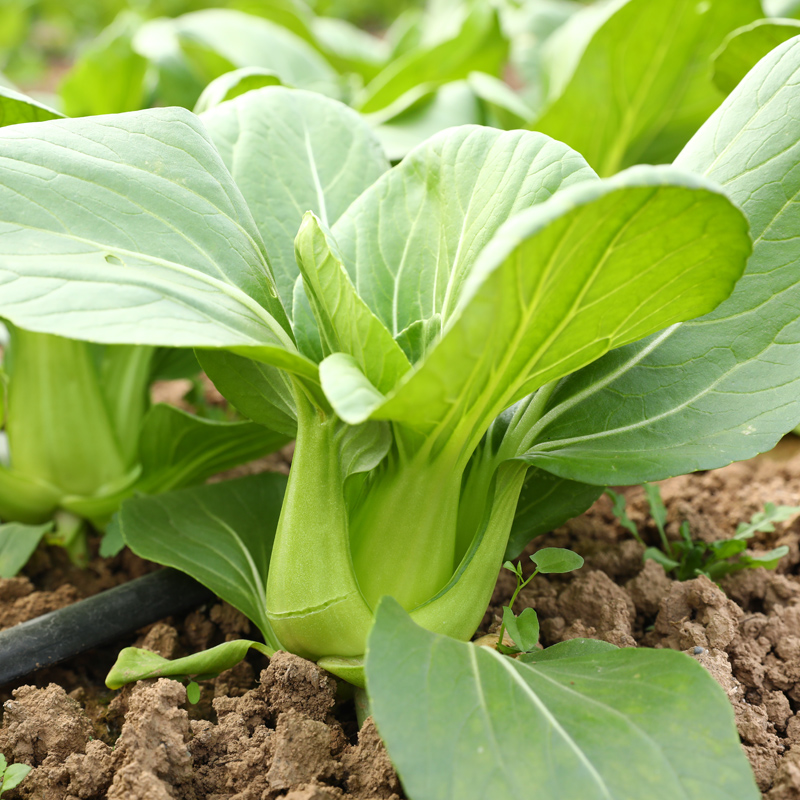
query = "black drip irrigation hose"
{"x": 96, "y": 621}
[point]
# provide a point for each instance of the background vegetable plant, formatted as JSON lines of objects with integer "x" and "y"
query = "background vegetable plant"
{"x": 578, "y": 70}
{"x": 79, "y": 432}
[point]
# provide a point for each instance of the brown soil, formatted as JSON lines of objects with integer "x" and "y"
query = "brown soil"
{"x": 285, "y": 735}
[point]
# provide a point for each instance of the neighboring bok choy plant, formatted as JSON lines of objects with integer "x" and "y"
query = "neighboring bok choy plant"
{"x": 79, "y": 432}
{"x": 467, "y": 347}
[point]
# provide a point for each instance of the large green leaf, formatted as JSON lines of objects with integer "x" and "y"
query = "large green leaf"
{"x": 100, "y": 216}
{"x": 291, "y": 152}
{"x": 634, "y": 80}
{"x": 745, "y": 47}
{"x": 463, "y": 721}
{"x": 109, "y": 77}
{"x": 16, "y": 108}
{"x": 725, "y": 387}
{"x": 410, "y": 241}
{"x": 220, "y": 534}
{"x": 598, "y": 265}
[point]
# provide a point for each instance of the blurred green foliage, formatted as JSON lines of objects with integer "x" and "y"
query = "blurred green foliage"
{"x": 36, "y": 33}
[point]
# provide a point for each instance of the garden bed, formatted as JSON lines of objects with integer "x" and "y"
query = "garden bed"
{"x": 284, "y": 735}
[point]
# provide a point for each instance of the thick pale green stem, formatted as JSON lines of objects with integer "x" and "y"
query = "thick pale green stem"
{"x": 313, "y": 600}
{"x": 458, "y": 609}
{"x": 59, "y": 428}
{"x": 403, "y": 532}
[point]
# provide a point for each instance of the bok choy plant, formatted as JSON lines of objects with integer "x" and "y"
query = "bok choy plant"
{"x": 467, "y": 348}
{"x": 412, "y": 331}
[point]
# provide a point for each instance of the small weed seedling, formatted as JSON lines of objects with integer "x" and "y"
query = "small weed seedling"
{"x": 11, "y": 775}
{"x": 524, "y": 629}
{"x": 688, "y": 558}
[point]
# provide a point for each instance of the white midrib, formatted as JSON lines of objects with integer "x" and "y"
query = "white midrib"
{"x": 547, "y": 714}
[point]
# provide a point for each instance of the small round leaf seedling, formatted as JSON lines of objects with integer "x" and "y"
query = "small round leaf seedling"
{"x": 552, "y": 560}
{"x": 193, "y": 693}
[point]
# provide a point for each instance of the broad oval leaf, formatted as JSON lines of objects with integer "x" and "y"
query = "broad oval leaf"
{"x": 290, "y": 152}
{"x": 639, "y": 85}
{"x": 551, "y": 560}
{"x": 220, "y": 534}
{"x": 461, "y": 721}
{"x": 727, "y": 386}
{"x": 100, "y": 216}
{"x": 411, "y": 239}
{"x": 598, "y": 265}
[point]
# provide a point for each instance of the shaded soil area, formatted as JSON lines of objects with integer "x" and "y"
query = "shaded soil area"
{"x": 278, "y": 729}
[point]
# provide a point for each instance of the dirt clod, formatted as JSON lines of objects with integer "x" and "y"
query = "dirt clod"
{"x": 153, "y": 744}
{"x": 291, "y": 682}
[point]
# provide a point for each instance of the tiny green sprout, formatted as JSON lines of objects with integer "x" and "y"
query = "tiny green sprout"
{"x": 524, "y": 629}
{"x": 11, "y": 775}
{"x": 687, "y": 558}
{"x": 193, "y": 692}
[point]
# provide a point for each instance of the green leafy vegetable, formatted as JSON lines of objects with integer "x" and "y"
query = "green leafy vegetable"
{"x": 375, "y": 345}
{"x": 636, "y": 103}
{"x": 723, "y": 387}
{"x": 524, "y": 629}
{"x": 484, "y": 725}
